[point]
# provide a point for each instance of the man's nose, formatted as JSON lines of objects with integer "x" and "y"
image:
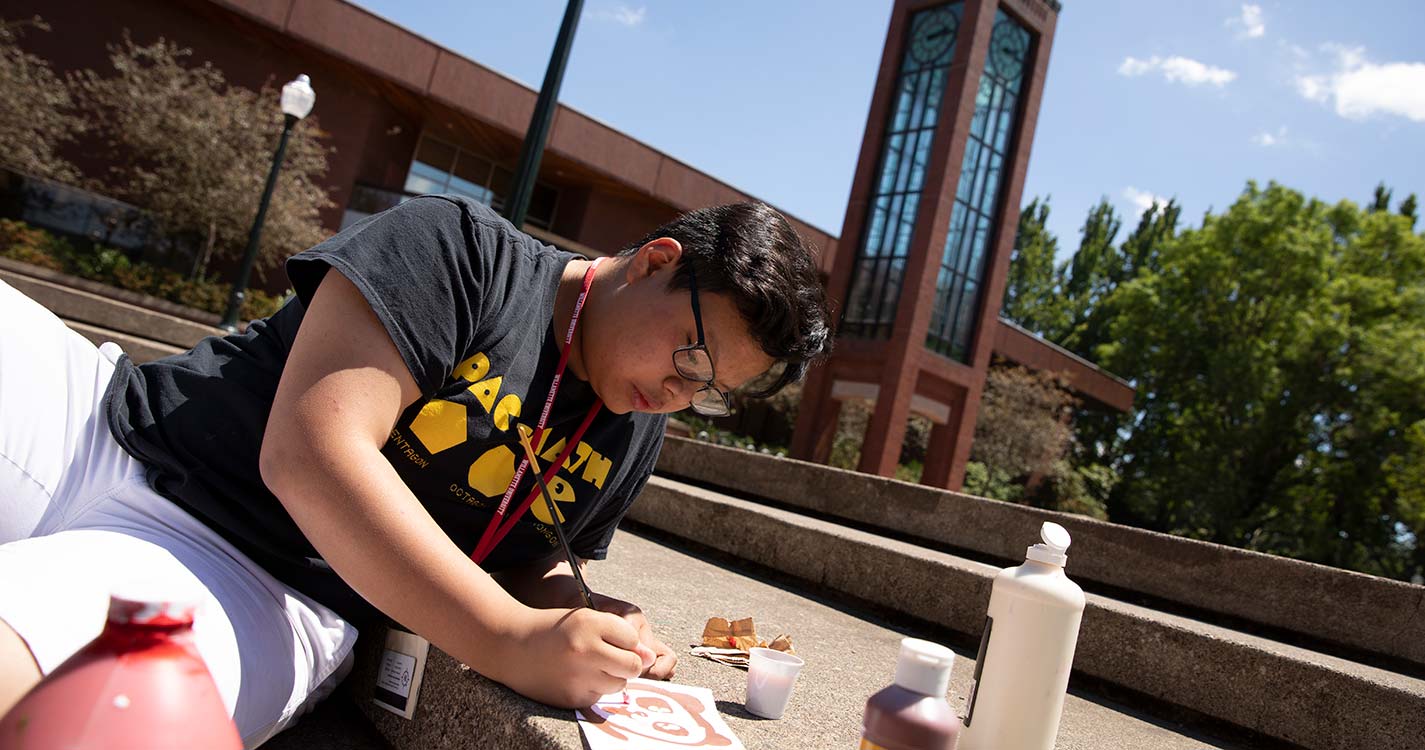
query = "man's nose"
{"x": 680, "y": 389}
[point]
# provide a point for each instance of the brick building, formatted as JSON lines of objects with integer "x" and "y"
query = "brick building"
{"x": 928, "y": 230}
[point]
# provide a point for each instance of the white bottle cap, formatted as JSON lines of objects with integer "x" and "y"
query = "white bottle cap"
{"x": 1055, "y": 543}
{"x": 924, "y": 667}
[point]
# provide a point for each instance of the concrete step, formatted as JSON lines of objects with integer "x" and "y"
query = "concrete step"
{"x": 850, "y": 654}
{"x": 336, "y": 724}
{"x": 138, "y": 348}
{"x": 137, "y": 299}
{"x": 100, "y": 309}
{"x": 1292, "y": 694}
{"x": 1354, "y": 615}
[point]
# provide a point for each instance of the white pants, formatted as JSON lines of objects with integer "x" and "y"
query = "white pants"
{"x": 77, "y": 517}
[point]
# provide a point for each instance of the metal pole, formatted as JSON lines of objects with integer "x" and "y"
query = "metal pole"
{"x": 230, "y": 318}
{"x": 532, "y": 151}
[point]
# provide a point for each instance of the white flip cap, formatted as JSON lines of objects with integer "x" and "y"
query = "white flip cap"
{"x": 1055, "y": 543}
{"x": 924, "y": 667}
{"x": 145, "y": 602}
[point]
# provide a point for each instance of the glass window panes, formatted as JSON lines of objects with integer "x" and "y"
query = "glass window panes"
{"x": 878, "y": 271}
{"x": 977, "y": 197}
{"x": 440, "y": 167}
{"x": 471, "y": 177}
{"x": 424, "y": 178}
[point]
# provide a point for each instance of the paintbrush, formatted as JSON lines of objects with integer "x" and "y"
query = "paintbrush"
{"x": 524, "y": 433}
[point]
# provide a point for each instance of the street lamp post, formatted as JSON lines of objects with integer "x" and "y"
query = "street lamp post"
{"x": 297, "y": 101}
{"x": 532, "y": 151}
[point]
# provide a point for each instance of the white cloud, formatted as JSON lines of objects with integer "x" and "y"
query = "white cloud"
{"x": 621, "y": 14}
{"x": 1132, "y": 66}
{"x": 1315, "y": 88}
{"x": 1178, "y": 70}
{"x": 1269, "y": 139}
{"x": 1251, "y": 21}
{"x": 1359, "y": 89}
{"x": 1142, "y": 200}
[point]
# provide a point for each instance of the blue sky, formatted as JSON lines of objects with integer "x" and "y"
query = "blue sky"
{"x": 1144, "y": 99}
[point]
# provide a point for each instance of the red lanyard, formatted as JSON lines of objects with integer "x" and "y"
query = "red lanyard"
{"x": 498, "y": 528}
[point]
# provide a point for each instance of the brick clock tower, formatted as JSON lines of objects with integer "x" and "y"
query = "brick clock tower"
{"x": 919, "y": 272}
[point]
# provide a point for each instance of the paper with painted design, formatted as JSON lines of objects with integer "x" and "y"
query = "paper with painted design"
{"x": 651, "y": 715}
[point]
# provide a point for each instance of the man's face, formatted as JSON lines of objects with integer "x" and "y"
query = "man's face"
{"x": 628, "y": 354}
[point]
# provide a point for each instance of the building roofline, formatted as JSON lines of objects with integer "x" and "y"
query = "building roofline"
{"x": 249, "y": 8}
{"x": 1064, "y": 352}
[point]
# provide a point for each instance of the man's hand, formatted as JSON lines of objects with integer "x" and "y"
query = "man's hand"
{"x": 571, "y": 658}
{"x": 664, "y": 660}
{"x": 550, "y": 585}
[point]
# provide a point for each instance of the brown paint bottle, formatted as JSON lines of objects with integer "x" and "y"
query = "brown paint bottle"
{"x": 912, "y": 714}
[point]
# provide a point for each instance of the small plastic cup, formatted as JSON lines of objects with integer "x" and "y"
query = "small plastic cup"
{"x": 771, "y": 674}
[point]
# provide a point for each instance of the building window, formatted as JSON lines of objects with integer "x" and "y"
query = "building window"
{"x": 977, "y": 199}
{"x": 879, "y": 269}
{"x": 440, "y": 167}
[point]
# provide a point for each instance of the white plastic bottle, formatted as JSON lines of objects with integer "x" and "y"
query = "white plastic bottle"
{"x": 1022, "y": 672}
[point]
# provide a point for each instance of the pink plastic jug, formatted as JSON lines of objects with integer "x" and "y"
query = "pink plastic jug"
{"x": 140, "y": 684}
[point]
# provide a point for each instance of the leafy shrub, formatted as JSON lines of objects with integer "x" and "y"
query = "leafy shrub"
{"x": 995, "y": 483}
{"x": 22, "y": 242}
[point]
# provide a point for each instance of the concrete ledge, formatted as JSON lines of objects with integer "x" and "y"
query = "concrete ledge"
{"x": 1281, "y": 691}
{"x": 336, "y": 724}
{"x": 139, "y": 349}
{"x": 109, "y": 292}
{"x": 1341, "y": 607}
{"x": 848, "y": 658}
{"x": 103, "y": 312}
{"x": 458, "y": 708}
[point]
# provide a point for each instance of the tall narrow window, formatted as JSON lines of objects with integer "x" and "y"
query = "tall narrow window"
{"x": 977, "y": 199}
{"x": 879, "y": 270}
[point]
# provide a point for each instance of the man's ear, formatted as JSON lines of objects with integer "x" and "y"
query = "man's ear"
{"x": 653, "y": 257}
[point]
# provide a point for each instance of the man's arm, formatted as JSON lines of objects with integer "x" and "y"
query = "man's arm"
{"x": 550, "y": 584}
{"x": 342, "y": 389}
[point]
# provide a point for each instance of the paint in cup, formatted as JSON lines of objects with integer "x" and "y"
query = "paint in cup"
{"x": 771, "y": 674}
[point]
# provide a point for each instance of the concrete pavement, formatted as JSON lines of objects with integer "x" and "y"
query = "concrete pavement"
{"x": 849, "y": 656}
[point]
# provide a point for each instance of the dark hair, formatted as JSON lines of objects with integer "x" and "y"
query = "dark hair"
{"x": 751, "y": 253}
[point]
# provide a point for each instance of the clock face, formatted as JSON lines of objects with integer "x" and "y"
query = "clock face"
{"x": 1009, "y": 48}
{"x": 933, "y": 35}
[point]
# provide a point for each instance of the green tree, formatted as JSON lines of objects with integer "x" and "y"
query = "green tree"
{"x": 1380, "y": 199}
{"x": 37, "y": 117}
{"x": 1022, "y": 427}
{"x": 1099, "y": 433}
{"x": 1408, "y": 209}
{"x": 1279, "y": 355}
{"x": 1139, "y": 252}
{"x": 1031, "y": 297}
{"x": 195, "y": 152}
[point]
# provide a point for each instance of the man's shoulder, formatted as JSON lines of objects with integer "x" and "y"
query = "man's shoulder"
{"x": 648, "y": 432}
{"x": 448, "y": 209}
{"x": 463, "y": 221}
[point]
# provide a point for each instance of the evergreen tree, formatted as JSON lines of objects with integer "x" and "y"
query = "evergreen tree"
{"x": 1088, "y": 277}
{"x": 1408, "y": 209}
{"x": 1100, "y": 433}
{"x": 1031, "y": 295}
{"x": 1380, "y": 200}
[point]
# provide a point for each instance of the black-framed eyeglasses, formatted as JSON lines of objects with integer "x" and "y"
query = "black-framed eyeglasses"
{"x": 694, "y": 364}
